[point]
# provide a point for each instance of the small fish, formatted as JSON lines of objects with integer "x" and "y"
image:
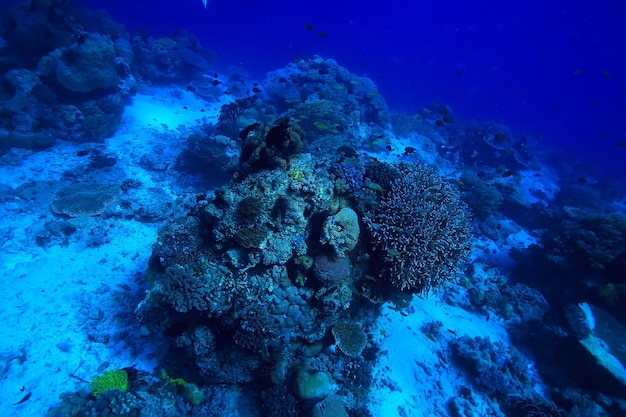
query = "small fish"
{"x": 321, "y": 125}
{"x": 393, "y": 252}
{"x": 282, "y": 80}
{"x": 216, "y": 82}
{"x": 375, "y": 187}
{"x": 409, "y": 150}
{"x": 322, "y": 35}
{"x": 621, "y": 144}
{"x": 256, "y": 90}
{"x": 461, "y": 184}
{"x": 308, "y": 27}
{"x": 185, "y": 107}
{"x": 499, "y": 137}
{"x": 24, "y": 399}
{"x": 582, "y": 180}
{"x": 389, "y": 148}
{"x": 355, "y": 82}
{"x": 507, "y": 173}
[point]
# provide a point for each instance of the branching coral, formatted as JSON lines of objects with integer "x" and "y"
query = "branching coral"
{"x": 421, "y": 224}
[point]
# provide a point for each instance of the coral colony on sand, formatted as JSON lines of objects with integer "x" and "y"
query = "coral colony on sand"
{"x": 303, "y": 231}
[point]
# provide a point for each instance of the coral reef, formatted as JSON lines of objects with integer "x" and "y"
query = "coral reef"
{"x": 324, "y": 79}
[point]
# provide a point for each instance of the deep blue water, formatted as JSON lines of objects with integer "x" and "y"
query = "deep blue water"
{"x": 257, "y": 278}
{"x": 554, "y": 70}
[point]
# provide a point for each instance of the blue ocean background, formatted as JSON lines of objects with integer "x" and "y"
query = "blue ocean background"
{"x": 551, "y": 70}
{"x": 329, "y": 208}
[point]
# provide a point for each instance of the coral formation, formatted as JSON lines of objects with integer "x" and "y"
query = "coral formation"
{"x": 350, "y": 337}
{"x": 341, "y": 231}
{"x": 88, "y": 66}
{"x": 110, "y": 380}
{"x": 331, "y": 270}
{"x": 84, "y": 199}
{"x": 497, "y": 369}
{"x": 422, "y": 226}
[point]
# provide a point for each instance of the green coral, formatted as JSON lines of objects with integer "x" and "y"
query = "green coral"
{"x": 189, "y": 391}
{"x": 116, "y": 379}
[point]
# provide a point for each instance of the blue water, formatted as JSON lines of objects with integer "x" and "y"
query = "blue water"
{"x": 327, "y": 208}
{"x": 554, "y": 70}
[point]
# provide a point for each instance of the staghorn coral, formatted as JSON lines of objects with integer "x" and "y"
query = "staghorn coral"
{"x": 421, "y": 224}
